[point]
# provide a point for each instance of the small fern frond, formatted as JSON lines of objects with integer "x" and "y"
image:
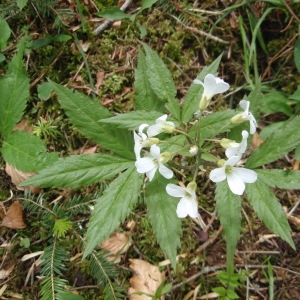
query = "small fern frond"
{"x": 51, "y": 286}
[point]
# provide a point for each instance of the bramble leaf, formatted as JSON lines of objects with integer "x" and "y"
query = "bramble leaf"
{"x": 269, "y": 210}
{"x": 86, "y": 113}
{"x": 229, "y": 211}
{"x": 26, "y": 152}
{"x": 144, "y": 96}
{"x": 283, "y": 179}
{"x": 113, "y": 207}
{"x": 14, "y": 92}
{"x": 79, "y": 170}
{"x": 162, "y": 213}
{"x": 277, "y": 145}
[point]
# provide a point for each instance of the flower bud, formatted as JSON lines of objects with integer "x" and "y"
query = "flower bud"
{"x": 239, "y": 118}
{"x": 221, "y": 163}
{"x": 192, "y": 186}
{"x": 227, "y": 143}
{"x": 165, "y": 157}
{"x": 151, "y": 141}
{"x": 193, "y": 150}
{"x": 168, "y": 128}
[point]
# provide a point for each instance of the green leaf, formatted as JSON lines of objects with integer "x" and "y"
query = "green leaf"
{"x": 61, "y": 38}
{"x": 229, "y": 212}
{"x": 61, "y": 227}
{"x": 194, "y": 93}
{"x": 270, "y": 129}
{"x": 26, "y": 152}
{"x": 159, "y": 76}
{"x": 147, "y": 3}
{"x": 113, "y": 207}
{"x": 269, "y": 210}
{"x": 40, "y": 43}
{"x": 5, "y": 33}
{"x": 174, "y": 108}
{"x": 162, "y": 213}
{"x": 45, "y": 90}
{"x": 14, "y": 92}
{"x": 278, "y": 144}
{"x": 275, "y": 102}
{"x": 63, "y": 295}
{"x": 283, "y": 179}
{"x": 297, "y": 54}
{"x": 132, "y": 120}
{"x": 142, "y": 29}
{"x": 144, "y": 97}
{"x": 21, "y": 3}
{"x": 214, "y": 124}
{"x": 79, "y": 170}
{"x": 86, "y": 113}
{"x": 114, "y": 13}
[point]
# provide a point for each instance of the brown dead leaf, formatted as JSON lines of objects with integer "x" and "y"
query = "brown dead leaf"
{"x": 5, "y": 273}
{"x": 117, "y": 244}
{"x": 14, "y": 217}
{"x": 24, "y": 125}
{"x": 18, "y": 176}
{"x": 146, "y": 279}
{"x": 83, "y": 150}
{"x": 256, "y": 141}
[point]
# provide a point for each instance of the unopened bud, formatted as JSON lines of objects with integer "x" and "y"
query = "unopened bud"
{"x": 151, "y": 141}
{"x": 227, "y": 143}
{"x": 192, "y": 186}
{"x": 221, "y": 162}
{"x": 165, "y": 157}
{"x": 168, "y": 128}
{"x": 193, "y": 150}
{"x": 239, "y": 118}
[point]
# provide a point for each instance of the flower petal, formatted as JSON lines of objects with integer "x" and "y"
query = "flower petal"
{"x": 175, "y": 190}
{"x": 253, "y": 125}
{"x": 187, "y": 206}
{"x": 217, "y": 175}
{"x": 248, "y": 176}
{"x": 145, "y": 164}
{"x": 154, "y": 130}
{"x": 165, "y": 172}
{"x": 155, "y": 151}
{"x": 151, "y": 173}
{"x": 197, "y": 81}
{"x": 235, "y": 183}
{"x": 244, "y": 104}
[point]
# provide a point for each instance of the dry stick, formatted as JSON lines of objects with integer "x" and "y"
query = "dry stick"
{"x": 210, "y": 240}
{"x": 107, "y": 22}
{"x": 291, "y": 11}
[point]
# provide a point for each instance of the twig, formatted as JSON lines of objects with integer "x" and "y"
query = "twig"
{"x": 210, "y": 240}
{"x": 107, "y": 22}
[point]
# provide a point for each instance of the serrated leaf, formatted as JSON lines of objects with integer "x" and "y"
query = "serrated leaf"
{"x": 26, "y": 152}
{"x": 86, "y": 113}
{"x": 269, "y": 210}
{"x": 194, "y": 93}
{"x": 79, "y": 170}
{"x": 14, "y": 92}
{"x": 144, "y": 96}
{"x": 162, "y": 213}
{"x": 159, "y": 76}
{"x": 229, "y": 213}
{"x": 5, "y": 33}
{"x": 214, "y": 124}
{"x": 297, "y": 54}
{"x": 283, "y": 179}
{"x": 174, "y": 108}
{"x": 21, "y": 3}
{"x": 114, "y": 13}
{"x": 147, "y": 3}
{"x": 277, "y": 145}
{"x": 113, "y": 207}
{"x": 132, "y": 120}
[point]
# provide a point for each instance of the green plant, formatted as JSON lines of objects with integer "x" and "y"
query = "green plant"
{"x": 199, "y": 137}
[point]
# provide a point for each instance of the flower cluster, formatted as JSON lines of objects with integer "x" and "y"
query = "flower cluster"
{"x": 229, "y": 169}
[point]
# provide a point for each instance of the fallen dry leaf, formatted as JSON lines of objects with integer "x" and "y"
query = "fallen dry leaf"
{"x": 117, "y": 244}
{"x": 18, "y": 176}
{"x": 14, "y": 217}
{"x": 5, "y": 273}
{"x": 147, "y": 279}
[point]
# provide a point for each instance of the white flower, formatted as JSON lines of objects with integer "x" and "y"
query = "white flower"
{"x": 239, "y": 148}
{"x": 188, "y": 203}
{"x": 162, "y": 125}
{"x": 212, "y": 85}
{"x": 141, "y": 140}
{"x": 149, "y": 165}
{"x": 236, "y": 177}
{"x": 245, "y": 116}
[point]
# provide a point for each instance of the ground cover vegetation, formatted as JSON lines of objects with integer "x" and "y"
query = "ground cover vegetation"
{"x": 202, "y": 97}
